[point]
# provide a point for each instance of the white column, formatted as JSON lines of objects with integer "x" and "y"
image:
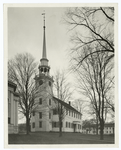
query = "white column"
{"x": 12, "y": 108}
{"x": 15, "y": 116}
{"x": 16, "y": 113}
{"x": 81, "y": 124}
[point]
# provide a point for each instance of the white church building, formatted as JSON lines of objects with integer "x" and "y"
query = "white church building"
{"x": 45, "y": 114}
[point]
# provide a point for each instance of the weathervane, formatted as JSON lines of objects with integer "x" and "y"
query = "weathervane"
{"x": 44, "y": 18}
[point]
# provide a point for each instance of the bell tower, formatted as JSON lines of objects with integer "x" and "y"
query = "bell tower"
{"x": 44, "y": 68}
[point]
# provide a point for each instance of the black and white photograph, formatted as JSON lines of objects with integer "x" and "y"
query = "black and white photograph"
{"x": 61, "y": 75}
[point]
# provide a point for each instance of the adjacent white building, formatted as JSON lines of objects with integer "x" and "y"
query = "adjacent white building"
{"x": 13, "y": 98}
{"x": 45, "y": 114}
{"x": 109, "y": 128}
{"x": 91, "y": 129}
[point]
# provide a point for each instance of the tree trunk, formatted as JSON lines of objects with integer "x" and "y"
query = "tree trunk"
{"x": 60, "y": 121}
{"x": 101, "y": 129}
{"x": 27, "y": 124}
{"x": 101, "y": 133}
{"x": 97, "y": 126}
{"x": 60, "y": 127}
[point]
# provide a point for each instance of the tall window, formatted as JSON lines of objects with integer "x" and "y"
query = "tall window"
{"x": 66, "y": 124}
{"x": 55, "y": 112}
{"x": 33, "y": 125}
{"x": 40, "y": 115}
{"x": 40, "y": 124}
{"x": 66, "y": 111}
{"x": 69, "y": 124}
{"x": 40, "y": 101}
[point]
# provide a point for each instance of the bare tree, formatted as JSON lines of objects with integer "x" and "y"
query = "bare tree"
{"x": 21, "y": 70}
{"x": 63, "y": 92}
{"x": 110, "y": 98}
{"x": 62, "y": 89}
{"x": 94, "y": 114}
{"x": 92, "y": 26}
{"x": 78, "y": 104}
{"x": 81, "y": 106}
{"x": 94, "y": 37}
{"x": 95, "y": 81}
{"x": 86, "y": 108}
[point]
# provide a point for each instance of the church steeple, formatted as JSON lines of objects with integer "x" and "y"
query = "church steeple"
{"x": 44, "y": 68}
{"x": 44, "y": 55}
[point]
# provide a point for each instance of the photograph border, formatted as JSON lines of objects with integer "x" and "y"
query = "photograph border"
{"x": 6, "y": 145}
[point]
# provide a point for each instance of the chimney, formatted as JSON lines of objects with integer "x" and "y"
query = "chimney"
{"x": 69, "y": 103}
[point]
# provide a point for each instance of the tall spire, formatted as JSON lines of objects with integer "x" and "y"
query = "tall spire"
{"x": 44, "y": 68}
{"x": 44, "y": 55}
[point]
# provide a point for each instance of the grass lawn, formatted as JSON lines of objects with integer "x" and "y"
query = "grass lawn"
{"x": 53, "y": 138}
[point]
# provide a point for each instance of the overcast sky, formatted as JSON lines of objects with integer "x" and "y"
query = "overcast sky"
{"x": 25, "y": 34}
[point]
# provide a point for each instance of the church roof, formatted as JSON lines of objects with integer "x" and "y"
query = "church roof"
{"x": 66, "y": 105}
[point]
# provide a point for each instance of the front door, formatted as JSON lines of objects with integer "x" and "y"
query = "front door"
{"x": 74, "y": 127}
